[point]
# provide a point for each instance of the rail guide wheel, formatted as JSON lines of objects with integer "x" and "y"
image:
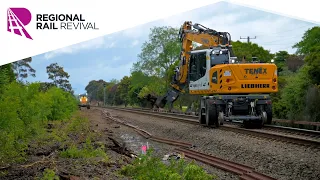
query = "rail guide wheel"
{"x": 264, "y": 119}
{"x": 211, "y": 114}
{"x": 269, "y": 114}
{"x": 221, "y": 118}
{"x": 202, "y": 116}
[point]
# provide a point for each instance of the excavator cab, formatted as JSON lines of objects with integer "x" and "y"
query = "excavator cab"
{"x": 199, "y": 67}
{"x": 200, "y": 64}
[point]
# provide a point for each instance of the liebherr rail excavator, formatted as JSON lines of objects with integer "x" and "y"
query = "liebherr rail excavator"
{"x": 230, "y": 90}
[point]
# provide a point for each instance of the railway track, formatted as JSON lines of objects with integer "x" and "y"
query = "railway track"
{"x": 244, "y": 172}
{"x": 271, "y": 132}
{"x": 284, "y": 121}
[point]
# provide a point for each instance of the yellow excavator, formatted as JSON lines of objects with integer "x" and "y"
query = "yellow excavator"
{"x": 231, "y": 90}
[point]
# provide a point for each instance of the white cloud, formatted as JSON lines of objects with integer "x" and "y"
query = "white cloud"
{"x": 135, "y": 32}
{"x": 97, "y": 71}
{"x": 116, "y": 58}
{"x": 273, "y": 33}
{"x": 134, "y": 43}
{"x": 110, "y": 45}
{"x": 87, "y": 45}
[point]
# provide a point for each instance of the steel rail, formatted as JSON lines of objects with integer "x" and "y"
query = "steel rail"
{"x": 244, "y": 172}
{"x": 254, "y": 132}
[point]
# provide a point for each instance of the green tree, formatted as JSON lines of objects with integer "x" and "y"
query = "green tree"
{"x": 249, "y": 50}
{"x": 301, "y": 95}
{"x": 123, "y": 89}
{"x": 280, "y": 59}
{"x": 294, "y": 62}
{"x": 138, "y": 81}
{"x": 95, "y": 89}
{"x": 6, "y": 75}
{"x": 310, "y": 39}
{"x": 160, "y": 52}
{"x": 59, "y": 77}
{"x": 22, "y": 69}
{"x": 313, "y": 60}
{"x": 111, "y": 92}
{"x": 310, "y": 47}
{"x": 294, "y": 93}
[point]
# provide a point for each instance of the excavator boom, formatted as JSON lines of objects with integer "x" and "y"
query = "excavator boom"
{"x": 191, "y": 33}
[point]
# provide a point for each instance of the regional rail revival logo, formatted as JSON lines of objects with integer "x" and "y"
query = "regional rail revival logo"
{"x": 17, "y": 19}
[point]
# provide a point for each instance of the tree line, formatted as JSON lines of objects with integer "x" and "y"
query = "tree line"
{"x": 26, "y": 108}
{"x": 299, "y": 74}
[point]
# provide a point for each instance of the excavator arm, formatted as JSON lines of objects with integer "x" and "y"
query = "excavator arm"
{"x": 199, "y": 34}
{"x": 191, "y": 33}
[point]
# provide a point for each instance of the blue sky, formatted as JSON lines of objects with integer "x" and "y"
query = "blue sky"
{"x": 111, "y": 56}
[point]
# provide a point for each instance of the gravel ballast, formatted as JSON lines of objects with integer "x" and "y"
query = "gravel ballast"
{"x": 277, "y": 159}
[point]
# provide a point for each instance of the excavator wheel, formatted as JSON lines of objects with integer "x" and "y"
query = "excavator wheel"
{"x": 202, "y": 118}
{"x": 211, "y": 115}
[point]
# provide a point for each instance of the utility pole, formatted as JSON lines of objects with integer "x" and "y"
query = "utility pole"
{"x": 104, "y": 94}
{"x": 248, "y": 38}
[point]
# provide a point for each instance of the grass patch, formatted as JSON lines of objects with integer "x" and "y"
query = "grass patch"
{"x": 75, "y": 137}
{"x": 78, "y": 139}
{"x": 148, "y": 166}
{"x": 87, "y": 151}
{"x": 49, "y": 174}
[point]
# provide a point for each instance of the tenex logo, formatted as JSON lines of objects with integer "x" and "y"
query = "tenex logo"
{"x": 255, "y": 71}
{"x": 17, "y": 19}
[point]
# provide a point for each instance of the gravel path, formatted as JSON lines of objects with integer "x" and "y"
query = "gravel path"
{"x": 276, "y": 159}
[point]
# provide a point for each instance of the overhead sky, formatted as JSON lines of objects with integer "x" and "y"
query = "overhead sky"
{"x": 111, "y": 56}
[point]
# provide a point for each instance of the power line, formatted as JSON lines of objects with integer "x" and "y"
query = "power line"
{"x": 280, "y": 32}
{"x": 281, "y": 39}
{"x": 248, "y": 38}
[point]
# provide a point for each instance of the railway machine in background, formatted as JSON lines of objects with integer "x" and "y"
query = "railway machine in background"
{"x": 84, "y": 101}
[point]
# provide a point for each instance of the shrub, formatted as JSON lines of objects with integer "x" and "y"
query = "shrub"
{"x": 24, "y": 112}
{"x": 147, "y": 166}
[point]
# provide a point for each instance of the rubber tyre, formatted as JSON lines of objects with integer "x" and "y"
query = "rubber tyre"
{"x": 269, "y": 113}
{"x": 211, "y": 115}
{"x": 201, "y": 118}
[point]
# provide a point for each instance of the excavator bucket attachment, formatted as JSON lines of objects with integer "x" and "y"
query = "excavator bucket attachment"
{"x": 151, "y": 98}
{"x": 171, "y": 96}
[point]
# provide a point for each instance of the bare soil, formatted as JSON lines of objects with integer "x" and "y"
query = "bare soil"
{"x": 277, "y": 159}
{"x": 45, "y": 156}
